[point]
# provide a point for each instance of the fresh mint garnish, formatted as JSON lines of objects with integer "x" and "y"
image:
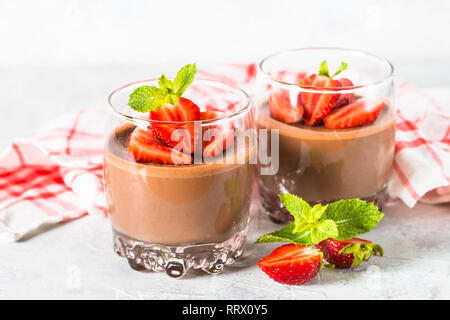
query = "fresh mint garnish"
{"x": 341, "y": 220}
{"x": 323, "y": 69}
{"x": 149, "y": 98}
{"x": 353, "y": 217}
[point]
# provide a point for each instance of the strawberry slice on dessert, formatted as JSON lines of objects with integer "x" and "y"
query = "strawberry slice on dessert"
{"x": 217, "y": 138}
{"x": 344, "y": 98}
{"x": 281, "y": 108}
{"x": 349, "y": 253}
{"x": 144, "y": 147}
{"x": 181, "y": 136}
{"x": 292, "y": 264}
{"x": 318, "y": 105}
{"x": 361, "y": 112}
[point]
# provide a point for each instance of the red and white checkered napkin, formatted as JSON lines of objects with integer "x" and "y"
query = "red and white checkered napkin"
{"x": 53, "y": 177}
{"x": 422, "y": 147}
{"x": 56, "y": 175}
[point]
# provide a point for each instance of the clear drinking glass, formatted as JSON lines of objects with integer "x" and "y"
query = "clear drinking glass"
{"x": 170, "y": 218}
{"x": 318, "y": 164}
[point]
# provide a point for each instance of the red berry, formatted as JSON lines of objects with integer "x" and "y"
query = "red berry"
{"x": 361, "y": 112}
{"x": 281, "y": 108}
{"x": 358, "y": 250}
{"x": 181, "y": 136}
{"x": 344, "y": 98}
{"x": 318, "y": 105}
{"x": 144, "y": 147}
{"x": 292, "y": 264}
{"x": 221, "y": 135}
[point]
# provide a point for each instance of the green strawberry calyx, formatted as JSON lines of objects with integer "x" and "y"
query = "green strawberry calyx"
{"x": 323, "y": 69}
{"x": 361, "y": 252}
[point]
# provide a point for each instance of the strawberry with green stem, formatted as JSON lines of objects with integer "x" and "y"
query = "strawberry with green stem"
{"x": 165, "y": 104}
{"x": 348, "y": 253}
{"x": 172, "y": 117}
{"x": 317, "y": 105}
{"x": 342, "y": 220}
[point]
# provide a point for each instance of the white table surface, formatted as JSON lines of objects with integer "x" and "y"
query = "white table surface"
{"x": 76, "y": 260}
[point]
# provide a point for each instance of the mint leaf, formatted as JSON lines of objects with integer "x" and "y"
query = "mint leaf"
{"x": 165, "y": 83}
{"x": 306, "y": 228}
{"x": 312, "y": 235}
{"x": 341, "y": 220}
{"x": 353, "y": 217}
{"x": 297, "y": 207}
{"x": 149, "y": 98}
{"x": 324, "y": 230}
{"x": 317, "y": 211}
{"x": 184, "y": 78}
{"x": 323, "y": 69}
{"x": 287, "y": 234}
{"x": 343, "y": 67}
{"x": 305, "y": 217}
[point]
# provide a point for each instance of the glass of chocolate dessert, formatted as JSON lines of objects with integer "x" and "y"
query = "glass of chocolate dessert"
{"x": 179, "y": 173}
{"x": 333, "y": 111}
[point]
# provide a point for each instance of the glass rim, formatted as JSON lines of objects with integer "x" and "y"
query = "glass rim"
{"x": 345, "y": 89}
{"x": 134, "y": 119}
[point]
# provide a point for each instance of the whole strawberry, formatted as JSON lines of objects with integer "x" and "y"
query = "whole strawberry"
{"x": 292, "y": 264}
{"x": 348, "y": 253}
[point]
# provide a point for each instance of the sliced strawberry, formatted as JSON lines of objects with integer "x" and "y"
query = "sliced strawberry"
{"x": 144, "y": 147}
{"x": 344, "y": 98}
{"x": 292, "y": 264}
{"x": 281, "y": 108}
{"x": 173, "y": 135}
{"x": 211, "y": 115}
{"x": 361, "y": 112}
{"x": 218, "y": 137}
{"x": 349, "y": 253}
{"x": 318, "y": 105}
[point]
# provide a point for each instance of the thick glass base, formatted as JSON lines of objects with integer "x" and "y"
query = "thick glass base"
{"x": 271, "y": 204}
{"x": 177, "y": 260}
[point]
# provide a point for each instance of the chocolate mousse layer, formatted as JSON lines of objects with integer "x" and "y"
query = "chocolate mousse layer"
{"x": 174, "y": 204}
{"x": 322, "y": 165}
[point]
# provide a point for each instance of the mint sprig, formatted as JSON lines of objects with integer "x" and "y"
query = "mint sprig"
{"x": 149, "y": 98}
{"x": 341, "y": 220}
{"x": 323, "y": 69}
{"x": 353, "y": 217}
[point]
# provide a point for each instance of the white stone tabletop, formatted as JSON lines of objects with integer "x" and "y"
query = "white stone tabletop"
{"x": 76, "y": 261}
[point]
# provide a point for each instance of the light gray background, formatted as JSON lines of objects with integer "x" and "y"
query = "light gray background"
{"x": 60, "y": 55}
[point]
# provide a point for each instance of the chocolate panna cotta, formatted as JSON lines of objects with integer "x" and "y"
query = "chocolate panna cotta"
{"x": 169, "y": 211}
{"x": 332, "y": 145}
{"x": 319, "y": 166}
{"x": 174, "y": 204}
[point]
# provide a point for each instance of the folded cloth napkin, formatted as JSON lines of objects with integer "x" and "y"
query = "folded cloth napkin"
{"x": 422, "y": 147}
{"x": 53, "y": 177}
{"x": 56, "y": 175}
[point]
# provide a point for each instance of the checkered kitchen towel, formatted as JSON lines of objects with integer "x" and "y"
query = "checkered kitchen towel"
{"x": 56, "y": 175}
